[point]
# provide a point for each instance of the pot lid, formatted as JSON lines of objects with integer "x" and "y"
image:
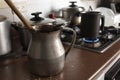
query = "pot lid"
{"x": 2, "y": 18}
{"x": 45, "y": 21}
{"x": 46, "y": 24}
{"x": 49, "y": 22}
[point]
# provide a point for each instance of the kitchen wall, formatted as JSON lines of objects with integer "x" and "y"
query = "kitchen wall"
{"x": 45, "y": 6}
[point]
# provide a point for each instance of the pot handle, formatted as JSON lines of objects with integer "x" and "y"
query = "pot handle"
{"x": 82, "y": 9}
{"x": 73, "y": 39}
{"x": 102, "y": 22}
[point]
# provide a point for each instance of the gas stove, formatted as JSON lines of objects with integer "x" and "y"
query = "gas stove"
{"x": 103, "y": 42}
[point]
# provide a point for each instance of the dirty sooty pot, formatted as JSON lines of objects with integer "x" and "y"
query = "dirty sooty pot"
{"x": 47, "y": 54}
{"x": 67, "y": 13}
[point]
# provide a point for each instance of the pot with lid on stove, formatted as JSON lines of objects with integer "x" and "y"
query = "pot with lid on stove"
{"x": 66, "y": 13}
{"x": 46, "y": 52}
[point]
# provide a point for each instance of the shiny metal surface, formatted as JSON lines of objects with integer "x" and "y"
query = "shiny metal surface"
{"x": 47, "y": 67}
{"x": 47, "y": 54}
{"x": 5, "y": 42}
{"x": 46, "y": 45}
{"x": 67, "y": 13}
{"x": 76, "y": 19}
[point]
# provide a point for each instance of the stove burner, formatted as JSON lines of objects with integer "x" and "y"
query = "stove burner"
{"x": 90, "y": 40}
{"x": 92, "y": 43}
{"x": 106, "y": 39}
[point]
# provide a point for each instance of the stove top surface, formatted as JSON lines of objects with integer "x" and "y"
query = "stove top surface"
{"x": 107, "y": 38}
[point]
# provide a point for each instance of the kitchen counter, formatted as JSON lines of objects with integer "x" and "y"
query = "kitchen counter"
{"x": 80, "y": 65}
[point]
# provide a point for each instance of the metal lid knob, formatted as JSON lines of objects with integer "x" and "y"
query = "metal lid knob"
{"x": 73, "y": 4}
{"x": 36, "y": 16}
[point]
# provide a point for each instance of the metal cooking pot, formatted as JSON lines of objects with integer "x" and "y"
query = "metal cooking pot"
{"x": 47, "y": 54}
{"x": 38, "y": 22}
{"x": 66, "y": 13}
{"x": 5, "y": 42}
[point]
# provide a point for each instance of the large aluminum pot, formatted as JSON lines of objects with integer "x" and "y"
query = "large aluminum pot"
{"x": 5, "y": 42}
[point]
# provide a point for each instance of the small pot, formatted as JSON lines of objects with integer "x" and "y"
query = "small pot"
{"x": 76, "y": 19}
{"x": 66, "y": 13}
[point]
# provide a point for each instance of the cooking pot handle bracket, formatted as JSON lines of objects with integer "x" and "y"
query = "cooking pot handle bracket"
{"x": 72, "y": 41}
